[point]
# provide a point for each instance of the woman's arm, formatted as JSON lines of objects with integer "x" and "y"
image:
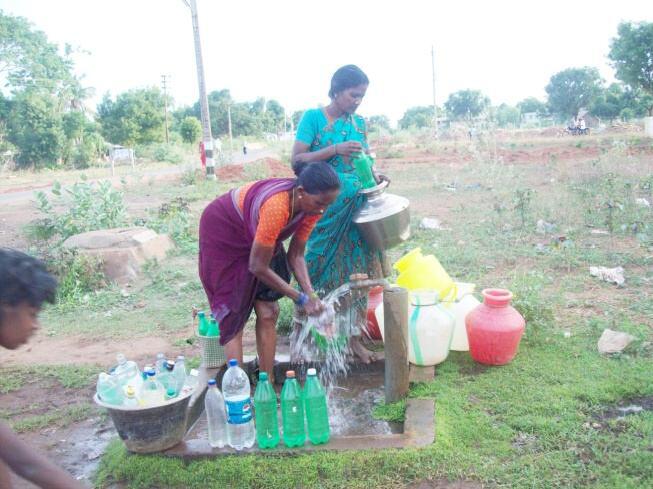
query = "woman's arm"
{"x": 299, "y": 269}
{"x": 301, "y": 153}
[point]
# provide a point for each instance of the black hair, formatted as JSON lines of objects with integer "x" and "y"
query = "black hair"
{"x": 347, "y": 77}
{"x": 315, "y": 177}
{"x": 24, "y": 278}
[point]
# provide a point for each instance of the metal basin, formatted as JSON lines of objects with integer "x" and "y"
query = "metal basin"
{"x": 153, "y": 429}
{"x": 384, "y": 220}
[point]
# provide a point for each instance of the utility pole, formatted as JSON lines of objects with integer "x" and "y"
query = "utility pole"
{"x": 231, "y": 138}
{"x": 207, "y": 138}
{"x": 165, "y": 106}
{"x": 435, "y": 107}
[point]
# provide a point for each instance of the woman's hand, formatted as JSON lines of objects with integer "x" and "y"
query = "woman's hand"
{"x": 381, "y": 177}
{"x": 348, "y": 148}
{"x": 314, "y": 306}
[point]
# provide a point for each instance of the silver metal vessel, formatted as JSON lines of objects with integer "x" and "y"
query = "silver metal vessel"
{"x": 384, "y": 220}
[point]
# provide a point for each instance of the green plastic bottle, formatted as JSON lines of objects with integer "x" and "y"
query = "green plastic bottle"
{"x": 315, "y": 404}
{"x": 203, "y": 326}
{"x": 265, "y": 405}
{"x": 292, "y": 412}
{"x": 363, "y": 164}
{"x": 213, "y": 329}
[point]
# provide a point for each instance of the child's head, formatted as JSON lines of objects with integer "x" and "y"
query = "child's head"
{"x": 25, "y": 285}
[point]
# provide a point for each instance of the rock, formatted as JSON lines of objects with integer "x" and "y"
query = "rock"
{"x": 430, "y": 223}
{"x": 642, "y": 202}
{"x": 611, "y": 275}
{"x": 122, "y": 250}
{"x": 614, "y": 341}
{"x": 600, "y": 232}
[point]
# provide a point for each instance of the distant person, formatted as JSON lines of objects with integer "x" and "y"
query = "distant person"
{"x": 244, "y": 148}
{"x": 24, "y": 286}
{"x": 581, "y": 124}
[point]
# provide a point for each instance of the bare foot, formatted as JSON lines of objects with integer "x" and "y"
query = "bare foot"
{"x": 363, "y": 354}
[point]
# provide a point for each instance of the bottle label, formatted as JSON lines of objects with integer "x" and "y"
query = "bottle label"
{"x": 239, "y": 412}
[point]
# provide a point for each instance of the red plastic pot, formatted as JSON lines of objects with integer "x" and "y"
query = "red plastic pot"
{"x": 374, "y": 299}
{"x": 494, "y": 328}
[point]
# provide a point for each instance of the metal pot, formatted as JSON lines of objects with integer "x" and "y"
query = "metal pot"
{"x": 384, "y": 220}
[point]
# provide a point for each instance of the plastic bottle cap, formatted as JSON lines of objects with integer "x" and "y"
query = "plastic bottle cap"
{"x": 290, "y": 374}
{"x": 311, "y": 371}
{"x": 233, "y": 362}
{"x": 150, "y": 373}
{"x": 201, "y": 314}
{"x": 211, "y": 382}
{"x": 263, "y": 376}
{"x": 130, "y": 391}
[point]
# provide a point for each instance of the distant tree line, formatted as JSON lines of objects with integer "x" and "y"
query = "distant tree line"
{"x": 45, "y": 122}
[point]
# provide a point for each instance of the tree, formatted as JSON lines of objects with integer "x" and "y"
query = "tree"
{"x": 507, "y": 115}
{"x": 572, "y": 89}
{"x": 190, "y": 129}
{"x": 417, "y": 117}
{"x": 466, "y": 104}
{"x": 531, "y": 104}
{"x": 631, "y": 53}
{"x": 34, "y": 126}
{"x": 609, "y": 103}
{"x": 296, "y": 117}
{"x": 377, "y": 122}
{"x": 135, "y": 117}
{"x": 28, "y": 60}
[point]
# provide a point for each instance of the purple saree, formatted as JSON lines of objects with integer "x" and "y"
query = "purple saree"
{"x": 225, "y": 241}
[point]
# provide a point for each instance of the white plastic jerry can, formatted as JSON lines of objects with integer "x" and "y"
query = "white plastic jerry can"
{"x": 430, "y": 329}
{"x": 464, "y": 303}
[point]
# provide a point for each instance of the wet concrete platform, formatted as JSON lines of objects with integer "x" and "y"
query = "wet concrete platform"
{"x": 418, "y": 428}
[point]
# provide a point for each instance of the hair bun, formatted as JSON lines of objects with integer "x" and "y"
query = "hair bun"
{"x": 298, "y": 167}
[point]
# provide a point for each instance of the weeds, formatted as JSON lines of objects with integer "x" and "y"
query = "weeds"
{"x": 89, "y": 207}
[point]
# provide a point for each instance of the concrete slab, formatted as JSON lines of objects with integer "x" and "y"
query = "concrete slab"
{"x": 419, "y": 374}
{"x": 419, "y": 431}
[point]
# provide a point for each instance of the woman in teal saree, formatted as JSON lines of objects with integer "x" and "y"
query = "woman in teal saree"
{"x": 335, "y": 248}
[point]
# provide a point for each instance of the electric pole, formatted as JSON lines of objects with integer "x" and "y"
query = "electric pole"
{"x": 165, "y": 106}
{"x": 207, "y": 138}
{"x": 231, "y": 138}
{"x": 435, "y": 107}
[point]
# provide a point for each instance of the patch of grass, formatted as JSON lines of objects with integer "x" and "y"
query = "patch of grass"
{"x": 67, "y": 376}
{"x": 60, "y": 417}
{"x": 390, "y": 412}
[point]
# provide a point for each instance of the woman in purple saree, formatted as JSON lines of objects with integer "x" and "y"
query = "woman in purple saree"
{"x": 242, "y": 261}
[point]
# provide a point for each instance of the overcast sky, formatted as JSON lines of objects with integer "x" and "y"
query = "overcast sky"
{"x": 288, "y": 49}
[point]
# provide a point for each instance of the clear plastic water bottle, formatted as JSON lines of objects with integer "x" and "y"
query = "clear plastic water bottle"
{"x": 109, "y": 389}
{"x": 180, "y": 373}
{"x": 236, "y": 392}
{"x": 128, "y": 373}
{"x": 160, "y": 363}
{"x": 292, "y": 412}
{"x": 152, "y": 392}
{"x": 216, "y": 415}
{"x": 130, "y": 397}
{"x": 315, "y": 404}
{"x": 265, "y": 404}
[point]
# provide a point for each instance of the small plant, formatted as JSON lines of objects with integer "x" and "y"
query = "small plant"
{"x": 77, "y": 274}
{"x": 285, "y": 321}
{"x": 528, "y": 300}
{"x": 89, "y": 207}
{"x": 173, "y": 219}
{"x": 521, "y": 200}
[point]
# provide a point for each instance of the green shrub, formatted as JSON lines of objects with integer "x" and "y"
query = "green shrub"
{"x": 284, "y": 323}
{"x": 170, "y": 153}
{"x": 174, "y": 219}
{"x": 77, "y": 274}
{"x": 89, "y": 207}
{"x": 530, "y": 302}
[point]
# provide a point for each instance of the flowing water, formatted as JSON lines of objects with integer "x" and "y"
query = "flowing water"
{"x": 324, "y": 339}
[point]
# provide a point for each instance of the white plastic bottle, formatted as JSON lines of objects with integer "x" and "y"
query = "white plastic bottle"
{"x": 216, "y": 416}
{"x": 160, "y": 363}
{"x": 179, "y": 373}
{"x": 152, "y": 392}
{"x": 240, "y": 421}
{"x": 128, "y": 373}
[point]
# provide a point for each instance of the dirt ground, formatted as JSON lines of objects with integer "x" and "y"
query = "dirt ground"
{"x": 78, "y": 446}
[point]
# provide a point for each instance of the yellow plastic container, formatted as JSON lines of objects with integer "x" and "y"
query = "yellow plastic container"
{"x": 425, "y": 272}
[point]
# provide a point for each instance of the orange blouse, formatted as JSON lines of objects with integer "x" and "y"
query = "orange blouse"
{"x": 274, "y": 216}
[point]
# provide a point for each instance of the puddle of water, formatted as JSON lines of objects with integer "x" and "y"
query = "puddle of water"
{"x": 635, "y": 406}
